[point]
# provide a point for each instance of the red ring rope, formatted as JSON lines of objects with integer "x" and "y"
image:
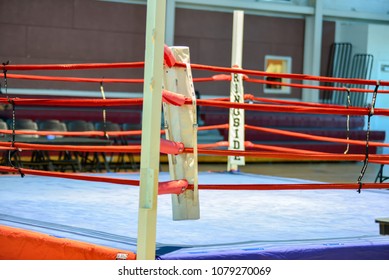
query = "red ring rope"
{"x": 284, "y": 75}
{"x": 355, "y": 111}
{"x": 279, "y": 187}
{"x": 79, "y": 66}
{"x": 169, "y": 187}
{"x": 277, "y": 152}
{"x": 193, "y": 66}
{"x": 167, "y": 147}
{"x": 71, "y": 79}
{"x": 82, "y": 102}
{"x": 178, "y": 186}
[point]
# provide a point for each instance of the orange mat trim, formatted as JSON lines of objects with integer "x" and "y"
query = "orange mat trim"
{"x": 20, "y": 244}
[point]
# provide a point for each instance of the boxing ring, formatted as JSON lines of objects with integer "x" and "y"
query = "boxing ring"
{"x": 254, "y": 216}
{"x": 314, "y": 224}
{"x": 47, "y": 214}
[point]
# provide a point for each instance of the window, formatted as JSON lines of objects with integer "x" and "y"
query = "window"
{"x": 277, "y": 64}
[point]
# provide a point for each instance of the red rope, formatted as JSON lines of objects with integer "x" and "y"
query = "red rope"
{"x": 168, "y": 97}
{"x": 80, "y": 66}
{"x": 200, "y": 80}
{"x": 179, "y": 185}
{"x": 74, "y": 133}
{"x": 169, "y": 187}
{"x": 204, "y": 146}
{"x": 75, "y": 176}
{"x": 167, "y": 147}
{"x": 283, "y": 75}
{"x": 193, "y": 66}
{"x": 90, "y": 102}
{"x": 73, "y": 148}
{"x": 280, "y": 187}
{"x": 86, "y": 80}
{"x": 82, "y": 102}
{"x": 251, "y": 97}
{"x": 278, "y": 152}
{"x": 71, "y": 79}
{"x": 315, "y": 137}
{"x": 211, "y": 79}
{"x": 222, "y": 77}
{"x": 293, "y": 156}
{"x": 356, "y": 111}
{"x": 217, "y": 126}
{"x": 249, "y": 144}
{"x": 304, "y": 86}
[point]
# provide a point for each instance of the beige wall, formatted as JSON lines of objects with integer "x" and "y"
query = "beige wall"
{"x": 209, "y": 36}
{"x": 72, "y": 31}
{"x": 82, "y": 31}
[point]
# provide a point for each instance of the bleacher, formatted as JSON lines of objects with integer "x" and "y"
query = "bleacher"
{"x": 129, "y": 118}
{"x": 75, "y": 120}
{"x": 315, "y": 124}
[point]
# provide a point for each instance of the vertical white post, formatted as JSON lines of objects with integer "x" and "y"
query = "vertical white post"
{"x": 312, "y": 49}
{"x": 151, "y": 127}
{"x": 181, "y": 126}
{"x": 170, "y": 22}
{"x": 236, "y": 128}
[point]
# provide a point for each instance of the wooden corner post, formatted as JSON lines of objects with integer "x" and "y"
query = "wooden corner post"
{"x": 151, "y": 127}
{"x": 181, "y": 126}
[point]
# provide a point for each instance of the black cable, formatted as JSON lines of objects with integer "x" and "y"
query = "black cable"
{"x": 5, "y": 76}
{"x": 12, "y": 153}
{"x": 366, "y": 160}
{"x": 348, "y": 121}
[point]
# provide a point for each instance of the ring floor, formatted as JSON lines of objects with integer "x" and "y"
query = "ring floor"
{"x": 336, "y": 224}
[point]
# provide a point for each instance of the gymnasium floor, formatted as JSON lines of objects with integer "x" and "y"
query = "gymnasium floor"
{"x": 323, "y": 172}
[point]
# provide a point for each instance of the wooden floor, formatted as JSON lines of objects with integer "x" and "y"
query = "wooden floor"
{"x": 323, "y": 172}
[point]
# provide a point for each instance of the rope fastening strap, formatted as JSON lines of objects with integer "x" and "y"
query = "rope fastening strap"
{"x": 104, "y": 112}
